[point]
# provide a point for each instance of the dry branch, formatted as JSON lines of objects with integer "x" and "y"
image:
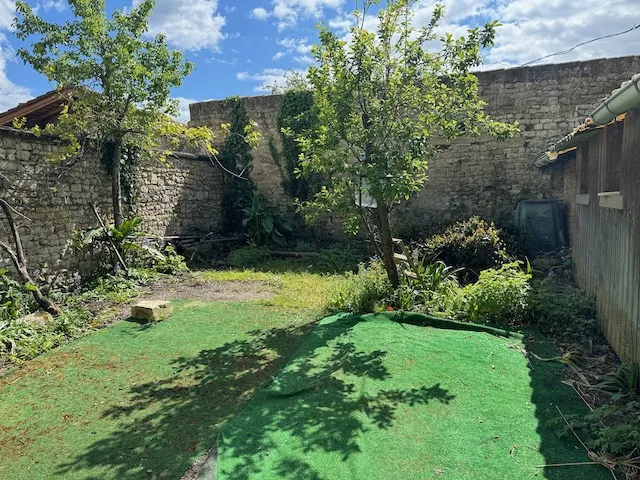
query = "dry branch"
{"x": 19, "y": 261}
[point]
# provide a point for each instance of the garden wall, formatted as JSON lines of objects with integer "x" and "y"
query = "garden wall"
{"x": 180, "y": 198}
{"x": 475, "y": 175}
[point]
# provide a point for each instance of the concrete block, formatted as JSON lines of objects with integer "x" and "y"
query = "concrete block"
{"x": 152, "y": 310}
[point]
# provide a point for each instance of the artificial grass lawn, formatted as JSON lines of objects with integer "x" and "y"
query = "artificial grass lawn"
{"x": 141, "y": 402}
{"x": 369, "y": 398}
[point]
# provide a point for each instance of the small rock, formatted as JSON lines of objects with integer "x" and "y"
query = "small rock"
{"x": 40, "y": 319}
{"x": 152, "y": 310}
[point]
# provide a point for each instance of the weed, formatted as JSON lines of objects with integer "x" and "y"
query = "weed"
{"x": 365, "y": 291}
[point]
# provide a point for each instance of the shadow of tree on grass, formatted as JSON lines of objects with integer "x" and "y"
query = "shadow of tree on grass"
{"x": 163, "y": 425}
{"x": 324, "y": 400}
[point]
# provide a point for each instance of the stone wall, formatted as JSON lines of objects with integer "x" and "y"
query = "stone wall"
{"x": 183, "y": 197}
{"x": 475, "y": 175}
{"x": 179, "y": 198}
{"x": 264, "y": 111}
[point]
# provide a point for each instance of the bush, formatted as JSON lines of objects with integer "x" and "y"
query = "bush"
{"x": 563, "y": 312}
{"x": 499, "y": 296}
{"x": 362, "y": 292}
{"x": 474, "y": 245}
{"x": 169, "y": 262}
{"x": 249, "y": 257}
{"x": 23, "y": 341}
{"x": 15, "y": 300}
{"x": 431, "y": 288}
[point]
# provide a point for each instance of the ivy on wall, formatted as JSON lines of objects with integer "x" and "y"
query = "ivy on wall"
{"x": 130, "y": 159}
{"x": 235, "y": 156}
{"x": 295, "y": 117}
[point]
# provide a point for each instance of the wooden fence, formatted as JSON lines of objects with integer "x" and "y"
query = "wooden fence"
{"x": 605, "y": 230}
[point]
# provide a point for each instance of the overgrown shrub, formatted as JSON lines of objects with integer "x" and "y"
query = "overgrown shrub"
{"x": 169, "y": 262}
{"x": 22, "y": 341}
{"x": 499, "y": 296}
{"x": 249, "y": 257}
{"x": 264, "y": 224}
{"x": 563, "y": 312}
{"x": 362, "y": 292}
{"x": 430, "y": 286}
{"x": 15, "y": 300}
{"x": 474, "y": 245}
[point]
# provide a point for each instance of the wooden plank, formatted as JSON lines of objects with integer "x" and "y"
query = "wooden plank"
{"x": 612, "y": 200}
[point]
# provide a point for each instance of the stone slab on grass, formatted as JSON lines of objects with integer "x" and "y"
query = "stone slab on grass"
{"x": 152, "y": 310}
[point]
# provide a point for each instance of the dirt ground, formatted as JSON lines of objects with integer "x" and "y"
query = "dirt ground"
{"x": 187, "y": 287}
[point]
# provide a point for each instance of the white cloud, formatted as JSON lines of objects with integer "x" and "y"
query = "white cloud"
{"x": 58, "y": 5}
{"x": 535, "y": 28}
{"x": 188, "y": 24}
{"x": 288, "y": 12}
{"x": 532, "y": 28}
{"x": 259, "y": 14}
{"x": 268, "y": 78}
{"x": 7, "y": 12}
{"x": 299, "y": 45}
{"x": 183, "y": 108}
{"x": 304, "y": 59}
{"x": 10, "y": 93}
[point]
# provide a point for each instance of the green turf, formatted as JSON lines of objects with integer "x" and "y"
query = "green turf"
{"x": 369, "y": 398}
{"x": 140, "y": 402}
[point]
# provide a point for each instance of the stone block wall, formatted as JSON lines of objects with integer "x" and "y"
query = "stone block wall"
{"x": 487, "y": 177}
{"x": 181, "y": 197}
{"x": 54, "y": 201}
{"x": 264, "y": 111}
{"x": 474, "y": 176}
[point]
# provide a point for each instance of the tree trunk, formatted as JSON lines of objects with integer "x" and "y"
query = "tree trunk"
{"x": 20, "y": 262}
{"x": 386, "y": 240}
{"x": 116, "y": 188}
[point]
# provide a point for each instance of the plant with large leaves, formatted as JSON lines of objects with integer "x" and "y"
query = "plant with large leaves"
{"x": 264, "y": 224}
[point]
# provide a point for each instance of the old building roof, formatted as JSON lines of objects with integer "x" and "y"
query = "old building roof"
{"x": 39, "y": 111}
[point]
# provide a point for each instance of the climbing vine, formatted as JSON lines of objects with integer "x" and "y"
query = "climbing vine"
{"x": 130, "y": 159}
{"x": 235, "y": 155}
{"x": 296, "y": 116}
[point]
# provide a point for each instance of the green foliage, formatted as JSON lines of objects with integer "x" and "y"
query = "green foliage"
{"x": 138, "y": 249}
{"x": 339, "y": 258}
{"x": 362, "y": 292}
{"x": 428, "y": 287}
{"x": 169, "y": 262}
{"x": 264, "y": 224}
{"x": 115, "y": 82}
{"x": 474, "y": 245}
{"x": 235, "y": 156}
{"x": 21, "y": 341}
{"x": 621, "y": 382}
{"x": 249, "y": 257}
{"x": 499, "y": 296}
{"x": 381, "y": 98}
{"x": 15, "y": 300}
{"x": 563, "y": 312}
{"x": 296, "y": 116}
{"x": 116, "y": 287}
{"x": 621, "y": 435}
{"x": 613, "y": 428}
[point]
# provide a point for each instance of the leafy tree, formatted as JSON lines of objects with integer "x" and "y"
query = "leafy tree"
{"x": 116, "y": 83}
{"x": 382, "y": 98}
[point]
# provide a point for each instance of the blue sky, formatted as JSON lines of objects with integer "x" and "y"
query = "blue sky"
{"x": 241, "y": 47}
